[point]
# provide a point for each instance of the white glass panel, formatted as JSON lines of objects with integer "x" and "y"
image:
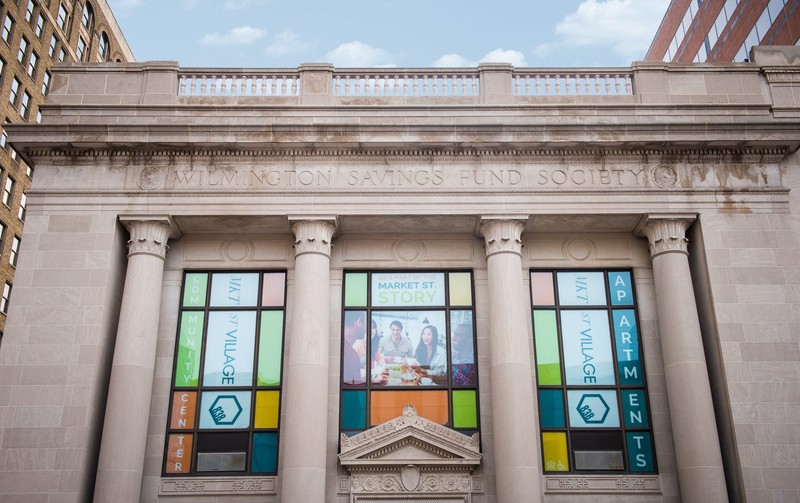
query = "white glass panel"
{"x": 593, "y": 408}
{"x": 229, "y": 348}
{"x": 581, "y": 289}
{"x": 225, "y": 409}
{"x": 234, "y": 289}
{"x": 587, "y": 347}
{"x": 408, "y": 289}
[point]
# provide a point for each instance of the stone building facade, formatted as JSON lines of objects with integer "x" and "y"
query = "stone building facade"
{"x": 475, "y": 285}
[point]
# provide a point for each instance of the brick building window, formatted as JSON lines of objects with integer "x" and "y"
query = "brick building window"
{"x": 5, "y": 298}
{"x": 8, "y": 191}
{"x": 23, "y": 203}
{"x": 12, "y": 257}
{"x": 8, "y": 29}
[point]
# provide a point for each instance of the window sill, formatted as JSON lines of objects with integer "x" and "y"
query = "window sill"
{"x": 608, "y": 484}
{"x": 208, "y": 486}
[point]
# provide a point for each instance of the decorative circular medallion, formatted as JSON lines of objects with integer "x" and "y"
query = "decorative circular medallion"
{"x": 151, "y": 177}
{"x": 578, "y": 249}
{"x": 408, "y": 250}
{"x": 665, "y": 177}
{"x": 237, "y": 250}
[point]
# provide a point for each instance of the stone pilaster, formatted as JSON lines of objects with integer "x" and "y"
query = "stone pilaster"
{"x": 305, "y": 435}
{"x": 516, "y": 469}
{"x": 694, "y": 428}
{"x": 122, "y": 448}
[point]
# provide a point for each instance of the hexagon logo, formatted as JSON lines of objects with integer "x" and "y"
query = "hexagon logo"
{"x": 592, "y": 408}
{"x": 225, "y": 410}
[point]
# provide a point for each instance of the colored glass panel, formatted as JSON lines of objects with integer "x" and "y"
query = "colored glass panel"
{"x": 586, "y": 339}
{"x": 354, "y": 410}
{"x": 225, "y": 409}
{"x": 230, "y": 345}
{"x": 267, "y": 407}
{"x": 408, "y": 289}
{"x": 551, "y": 408}
{"x": 184, "y": 407}
{"x": 355, "y": 289}
{"x": 548, "y": 361}
{"x": 542, "y": 290}
{"x": 554, "y": 447}
{"x": 274, "y": 289}
{"x": 179, "y": 453}
{"x": 626, "y": 337}
{"x": 634, "y": 408}
{"x": 595, "y": 408}
{"x": 462, "y": 349}
{"x": 640, "y": 451}
{"x": 465, "y": 409}
{"x": 195, "y": 289}
{"x": 387, "y": 405}
{"x": 234, "y": 289}
{"x": 270, "y": 348}
{"x": 581, "y": 289}
{"x": 265, "y": 453}
{"x": 620, "y": 288}
{"x": 187, "y": 368}
{"x": 460, "y": 289}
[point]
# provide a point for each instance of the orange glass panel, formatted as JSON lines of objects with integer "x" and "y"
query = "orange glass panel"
{"x": 387, "y": 405}
{"x": 179, "y": 453}
{"x": 274, "y": 284}
{"x": 542, "y": 290}
{"x": 184, "y": 405}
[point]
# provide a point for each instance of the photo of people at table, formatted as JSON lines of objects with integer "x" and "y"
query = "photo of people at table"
{"x": 409, "y": 348}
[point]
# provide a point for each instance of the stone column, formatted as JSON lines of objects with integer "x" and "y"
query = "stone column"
{"x": 305, "y": 439}
{"x": 514, "y": 425}
{"x": 694, "y": 428}
{"x": 122, "y": 447}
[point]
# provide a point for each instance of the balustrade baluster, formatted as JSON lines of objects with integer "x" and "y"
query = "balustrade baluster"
{"x": 628, "y": 86}
{"x": 617, "y": 85}
{"x": 547, "y": 85}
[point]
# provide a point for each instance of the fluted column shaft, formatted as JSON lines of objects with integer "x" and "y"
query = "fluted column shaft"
{"x": 516, "y": 457}
{"x": 305, "y": 437}
{"x": 694, "y": 428}
{"x": 122, "y": 448}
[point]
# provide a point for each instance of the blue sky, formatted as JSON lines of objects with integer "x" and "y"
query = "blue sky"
{"x": 382, "y": 33}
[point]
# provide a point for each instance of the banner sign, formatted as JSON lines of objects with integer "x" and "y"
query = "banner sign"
{"x": 593, "y": 408}
{"x": 587, "y": 347}
{"x": 581, "y": 289}
{"x": 225, "y": 409}
{"x": 640, "y": 451}
{"x": 619, "y": 285}
{"x": 187, "y": 370}
{"x": 230, "y": 342}
{"x": 408, "y": 289}
{"x": 627, "y": 340}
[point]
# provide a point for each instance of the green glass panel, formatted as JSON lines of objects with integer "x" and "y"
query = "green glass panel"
{"x": 265, "y": 453}
{"x": 270, "y": 348}
{"x": 187, "y": 369}
{"x": 354, "y": 410}
{"x": 465, "y": 409}
{"x": 548, "y": 362}
{"x": 460, "y": 289}
{"x": 194, "y": 290}
{"x": 355, "y": 289}
{"x": 551, "y": 408}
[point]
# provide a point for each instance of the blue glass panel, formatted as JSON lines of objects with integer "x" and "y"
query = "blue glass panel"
{"x": 354, "y": 410}
{"x": 634, "y": 407}
{"x": 640, "y": 451}
{"x": 619, "y": 285}
{"x": 551, "y": 408}
{"x": 265, "y": 453}
{"x": 626, "y": 336}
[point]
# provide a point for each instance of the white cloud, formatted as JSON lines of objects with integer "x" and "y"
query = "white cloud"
{"x": 286, "y": 42}
{"x": 357, "y": 54}
{"x": 241, "y": 35}
{"x": 625, "y": 26}
{"x": 516, "y": 58}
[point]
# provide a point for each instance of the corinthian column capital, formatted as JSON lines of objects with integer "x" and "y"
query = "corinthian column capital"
{"x": 503, "y": 235}
{"x": 313, "y": 236}
{"x": 665, "y": 233}
{"x": 149, "y": 234}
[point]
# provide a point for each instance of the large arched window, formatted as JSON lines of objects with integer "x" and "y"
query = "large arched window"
{"x": 103, "y": 48}
{"x": 87, "y": 17}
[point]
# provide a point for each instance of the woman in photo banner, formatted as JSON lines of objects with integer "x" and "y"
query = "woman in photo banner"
{"x": 431, "y": 358}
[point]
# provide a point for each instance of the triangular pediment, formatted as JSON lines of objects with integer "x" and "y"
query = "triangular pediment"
{"x": 410, "y": 440}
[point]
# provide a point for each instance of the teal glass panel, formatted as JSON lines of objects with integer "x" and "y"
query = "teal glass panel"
{"x": 354, "y": 410}
{"x": 626, "y": 336}
{"x": 640, "y": 451}
{"x": 355, "y": 289}
{"x": 619, "y": 286}
{"x": 551, "y": 408}
{"x": 634, "y": 408}
{"x": 265, "y": 453}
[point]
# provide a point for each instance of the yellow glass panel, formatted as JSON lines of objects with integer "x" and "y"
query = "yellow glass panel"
{"x": 267, "y": 404}
{"x": 460, "y": 289}
{"x": 556, "y": 457}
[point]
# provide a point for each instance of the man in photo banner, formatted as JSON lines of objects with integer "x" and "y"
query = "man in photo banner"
{"x": 396, "y": 346}
{"x": 355, "y": 329}
{"x": 463, "y": 356}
